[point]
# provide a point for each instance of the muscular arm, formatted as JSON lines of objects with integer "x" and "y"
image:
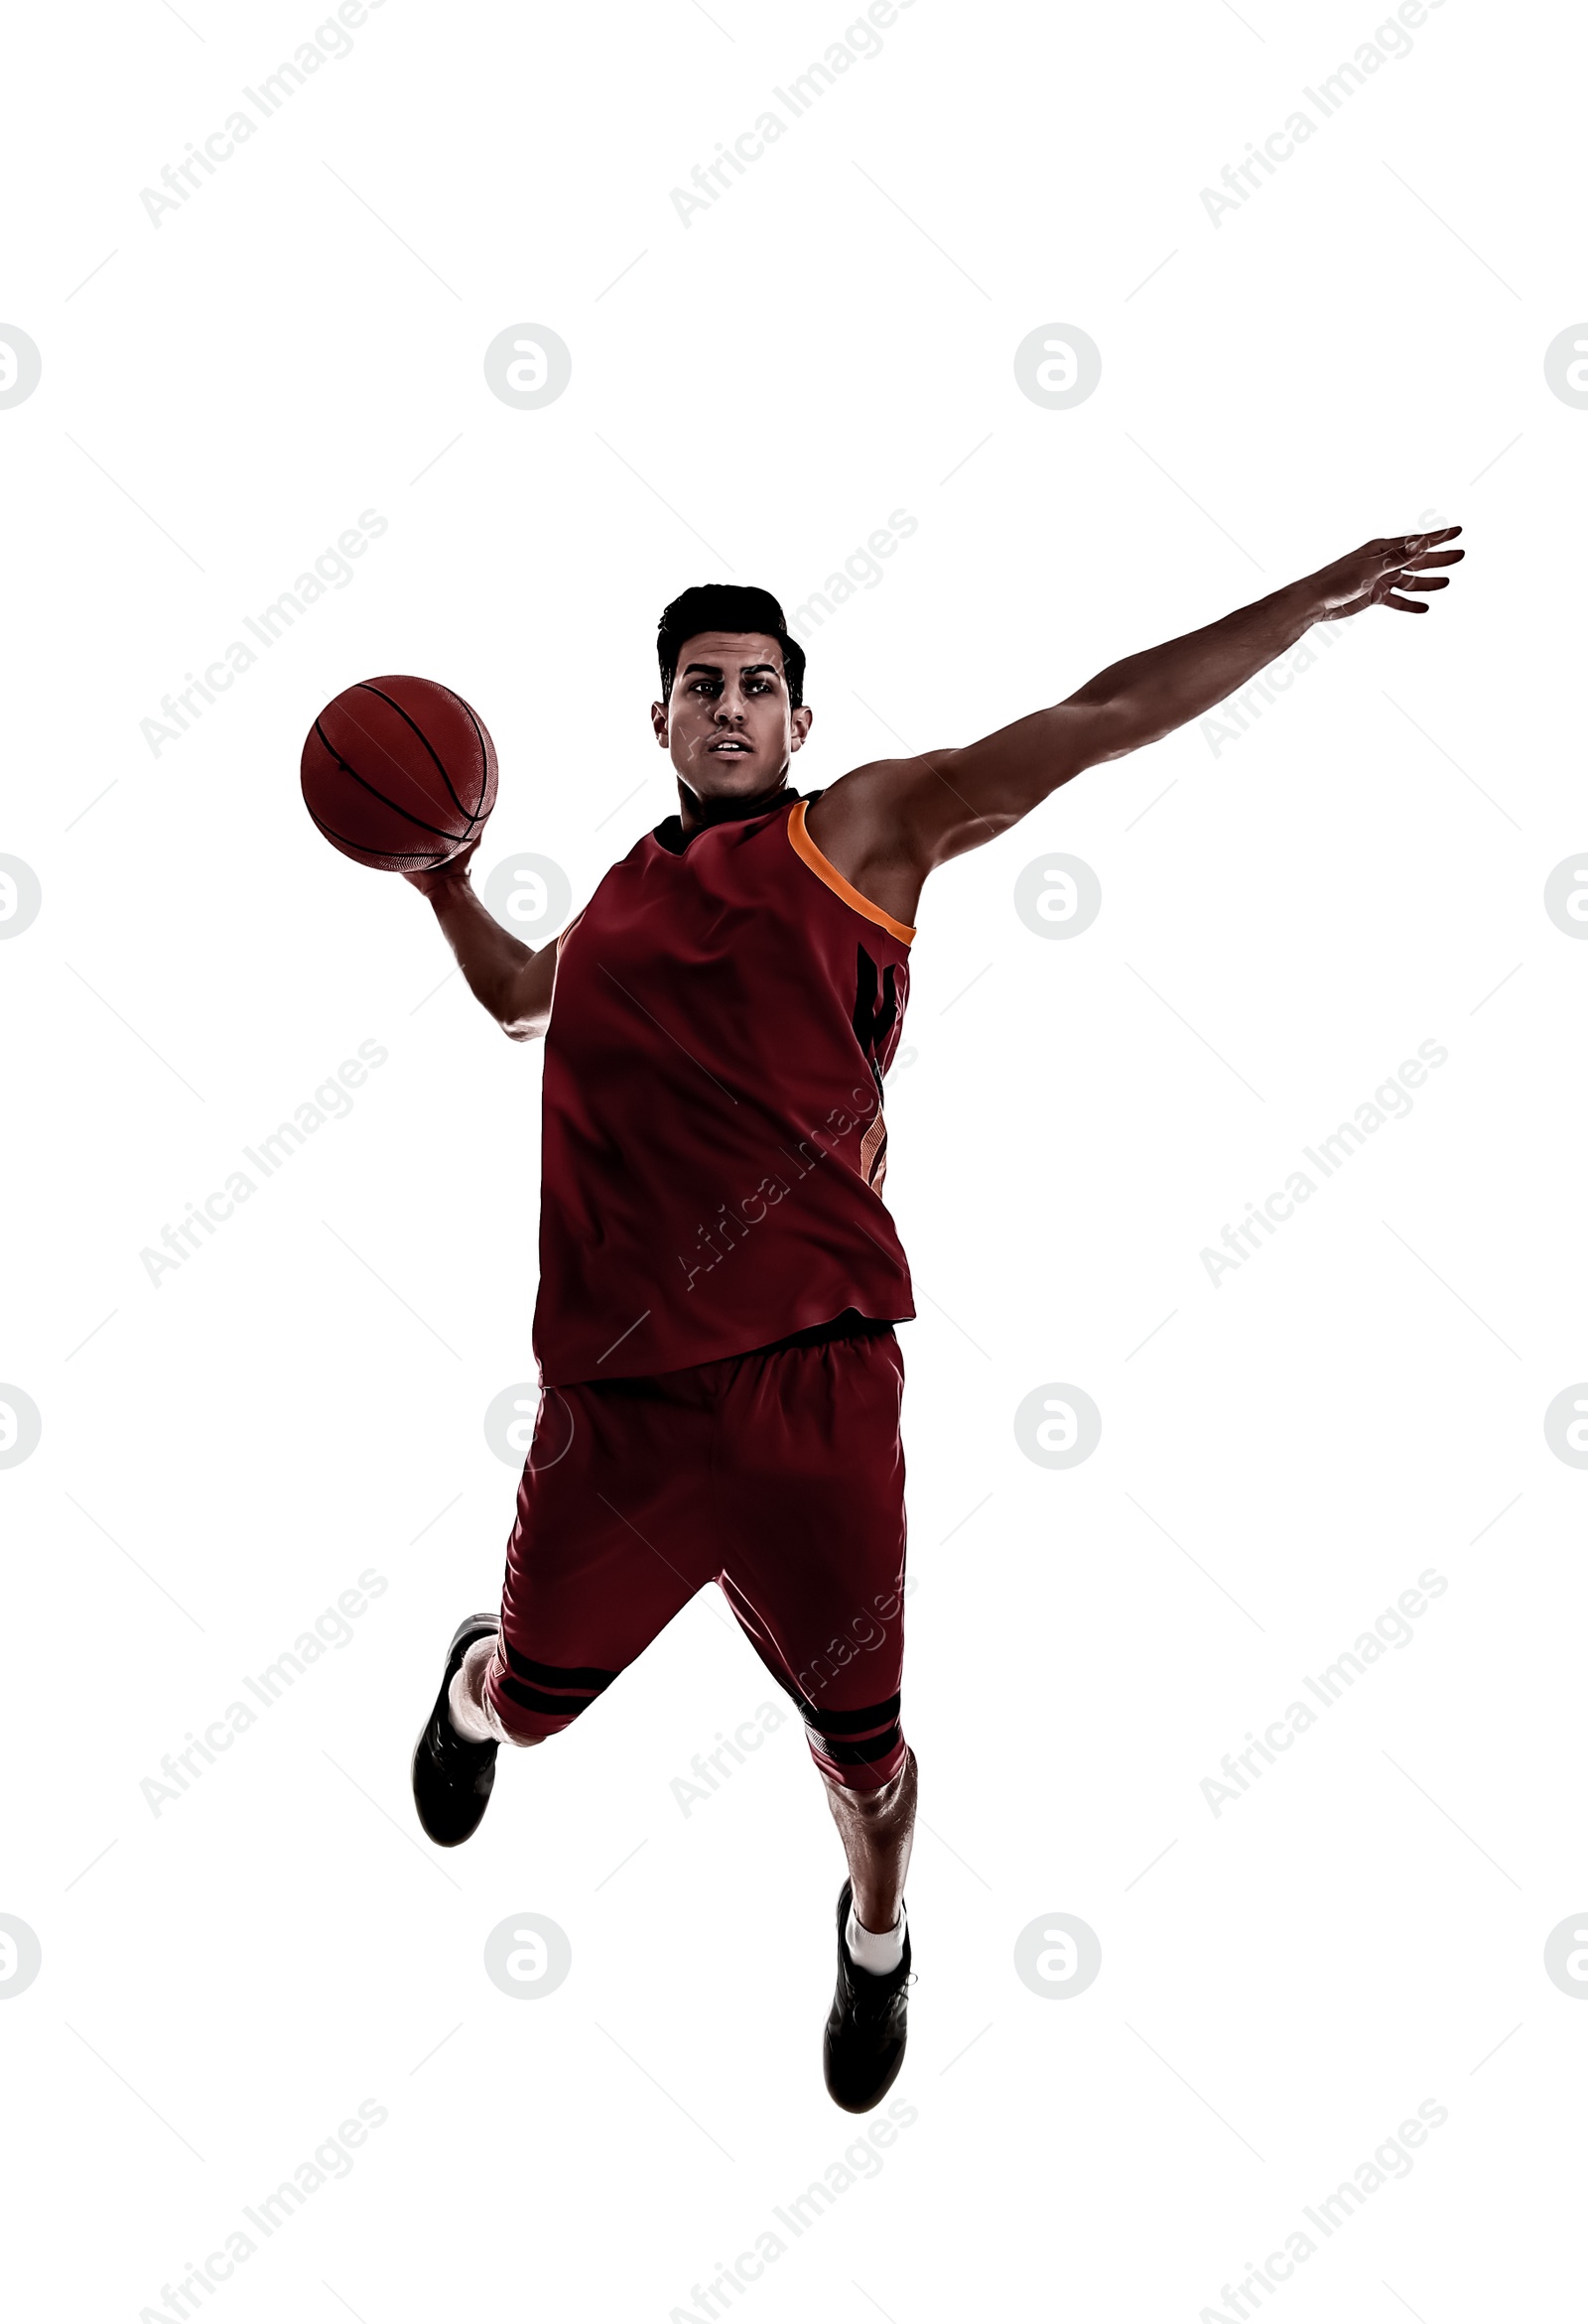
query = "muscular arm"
{"x": 886, "y": 825}
{"x": 506, "y": 978}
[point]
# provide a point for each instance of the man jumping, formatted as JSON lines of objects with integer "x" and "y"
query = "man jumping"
{"x": 720, "y": 1382}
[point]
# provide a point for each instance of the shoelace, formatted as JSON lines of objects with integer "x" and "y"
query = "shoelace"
{"x": 878, "y": 1992}
{"x": 448, "y": 1743}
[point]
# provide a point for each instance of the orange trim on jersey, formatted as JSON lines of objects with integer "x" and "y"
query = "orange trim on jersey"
{"x": 809, "y": 852}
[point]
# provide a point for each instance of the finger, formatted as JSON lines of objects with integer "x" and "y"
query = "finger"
{"x": 1439, "y": 557}
{"x": 1403, "y": 605}
{"x": 1414, "y": 548}
{"x": 1435, "y": 580}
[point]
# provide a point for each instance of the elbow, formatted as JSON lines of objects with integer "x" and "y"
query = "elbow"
{"x": 1116, "y": 727}
{"x": 1104, "y": 720}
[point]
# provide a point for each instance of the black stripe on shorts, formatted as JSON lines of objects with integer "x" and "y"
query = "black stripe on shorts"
{"x": 549, "y": 1674}
{"x": 536, "y": 1699}
{"x": 849, "y": 1721}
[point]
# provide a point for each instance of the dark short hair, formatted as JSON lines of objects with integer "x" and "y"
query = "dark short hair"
{"x": 725, "y": 605}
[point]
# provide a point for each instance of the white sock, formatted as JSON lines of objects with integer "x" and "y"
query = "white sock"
{"x": 465, "y": 1708}
{"x": 868, "y": 1949}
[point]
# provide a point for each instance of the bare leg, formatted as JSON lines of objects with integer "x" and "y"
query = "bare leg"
{"x": 876, "y": 1827}
{"x": 469, "y": 1704}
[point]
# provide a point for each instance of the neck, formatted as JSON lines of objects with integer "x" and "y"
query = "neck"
{"x": 695, "y": 812}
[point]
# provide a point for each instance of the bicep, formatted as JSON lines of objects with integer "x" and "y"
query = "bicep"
{"x": 937, "y": 805}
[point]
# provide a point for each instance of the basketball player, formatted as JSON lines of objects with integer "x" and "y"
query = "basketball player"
{"x": 719, "y": 1275}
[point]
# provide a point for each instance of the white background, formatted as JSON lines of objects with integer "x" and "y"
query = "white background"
{"x": 1359, "y": 346}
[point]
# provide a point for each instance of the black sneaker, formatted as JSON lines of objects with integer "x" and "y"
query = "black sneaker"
{"x": 451, "y": 1775}
{"x": 862, "y": 2048}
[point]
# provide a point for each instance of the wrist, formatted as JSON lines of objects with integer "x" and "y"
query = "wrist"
{"x": 446, "y": 885}
{"x": 1303, "y": 603}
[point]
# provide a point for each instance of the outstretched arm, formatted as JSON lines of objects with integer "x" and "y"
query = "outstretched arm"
{"x": 886, "y": 825}
{"x": 506, "y": 978}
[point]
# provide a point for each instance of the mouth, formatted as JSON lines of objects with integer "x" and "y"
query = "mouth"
{"x": 730, "y": 746}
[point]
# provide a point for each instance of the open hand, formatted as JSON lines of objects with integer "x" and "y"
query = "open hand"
{"x": 1386, "y": 572}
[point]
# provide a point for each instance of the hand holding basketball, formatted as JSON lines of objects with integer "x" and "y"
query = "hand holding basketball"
{"x": 455, "y": 868}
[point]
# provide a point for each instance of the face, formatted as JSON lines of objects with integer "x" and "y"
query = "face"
{"x": 727, "y": 726}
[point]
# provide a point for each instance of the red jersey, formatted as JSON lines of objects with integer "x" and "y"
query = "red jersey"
{"x": 713, "y": 1147}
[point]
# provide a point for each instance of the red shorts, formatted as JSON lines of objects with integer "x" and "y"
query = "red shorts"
{"x": 779, "y": 1476}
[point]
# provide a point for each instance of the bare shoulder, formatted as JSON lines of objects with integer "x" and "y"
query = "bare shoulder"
{"x": 863, "y": 825}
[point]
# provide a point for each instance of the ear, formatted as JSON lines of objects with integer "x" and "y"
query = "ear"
{"x": 659, "y": 722}
{"x": 799, "y": 727}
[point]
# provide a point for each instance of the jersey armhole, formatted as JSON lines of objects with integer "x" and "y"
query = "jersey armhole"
{"x": 557, "y": 958}
{"x": 810, "y": 854}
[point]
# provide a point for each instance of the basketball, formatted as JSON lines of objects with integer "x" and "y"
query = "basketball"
{"x": 399, "y": 773}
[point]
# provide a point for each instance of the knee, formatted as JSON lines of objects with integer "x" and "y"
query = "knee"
{"x": 883, "y": 1800}
{"x": 899, "y": 1789}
